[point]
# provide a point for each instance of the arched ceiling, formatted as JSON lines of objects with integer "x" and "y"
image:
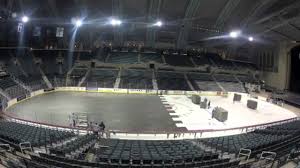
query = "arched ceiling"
{"x": 186, "y": 22}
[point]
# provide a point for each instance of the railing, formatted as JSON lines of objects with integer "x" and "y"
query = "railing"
{"x": 159, "y": 135}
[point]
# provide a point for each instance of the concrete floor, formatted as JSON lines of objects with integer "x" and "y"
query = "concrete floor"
{"x": 119, "y": 112}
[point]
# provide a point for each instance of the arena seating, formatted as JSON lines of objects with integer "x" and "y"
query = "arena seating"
{"x": 277, "y": 139}
{"x": 57, "y": 80}
{"x": 244, "y": 65}
{"x": 16, "y": 91}
{"x": 104, "y": 78}
{"x": 85, "y": 56}
{"x": 201, "y": 60}
{"x": 76, "y": 76}
{"x": 35, "y": 82}
{"x": 178, "y": 60}
{"x": 229, "y": 83}
{"x": 29, "y": 74}
{"x": 28, "y": 64}
{"x": 9, "y": 86}
{"x": 12, "y": 68}
{"x": 123, "y": 57}
{"x": 57, "y": 161}
{"x": 136, "y": 79}
{"x": 164, "y": 153}
{"x": 171, "y": 81}
{"x": 156, "y": 153}
{"x": 203, "y": 82}
{"x": 6, "y": 82}
{"x": 216, "y": 60}
{"x": 151, "y": 57}
{"x": 69, "y": 151}
{"x": 48, "y": 63}
{"x": 246, "y": 79}
{"x": 140, "y": 153}
{"x": 81, "y": 142}
{"x": 15, "y": 133}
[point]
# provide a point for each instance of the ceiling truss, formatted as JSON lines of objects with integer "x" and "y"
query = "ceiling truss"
{"x": 186, "y": 25}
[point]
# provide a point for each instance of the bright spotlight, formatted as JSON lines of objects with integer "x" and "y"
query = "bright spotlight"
{"x": 115, "y": 22}
{"x": 235, "y": 34}
{"x": 250, "y": 38}
{"x": 25, "y": 19}
{"x": 78, "y": 23}
{"x": 158, "y": 23}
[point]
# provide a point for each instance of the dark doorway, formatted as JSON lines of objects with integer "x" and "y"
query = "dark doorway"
{"x": 295, "y": 70}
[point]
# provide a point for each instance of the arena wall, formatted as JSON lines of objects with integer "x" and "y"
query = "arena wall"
{"x": 279, "y": 79}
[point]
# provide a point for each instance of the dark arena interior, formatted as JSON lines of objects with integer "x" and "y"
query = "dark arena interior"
{"x": 149, "y": 83}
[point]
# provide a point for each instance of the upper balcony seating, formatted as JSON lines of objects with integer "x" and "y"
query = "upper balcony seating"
{"x": 136, "y": 79}
{"x": 5, "y": 56}
{"x": 85, "y": 56}
{"x": 48, "y": 63}
{"x": 171, "y": 81}
{"x": 16, "y": 133}
{"x": 244, "y": 65}
{"x": 225, "y": 64}
{"x": 12, "y": 68}
{"x": 102, "y": 78}
{"x": 246, "y": 78}
{"x": 225, "y": 78}
{"x": 123, "y": 57}
{"x": 151, "y": 57}
{"x": 178, "y": 60}
{"x": 201, "y": 60}
{"x": 28, "y": 64}
{"x": 204, "y": 82}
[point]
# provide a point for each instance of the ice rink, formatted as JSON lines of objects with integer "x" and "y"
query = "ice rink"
{"x": 118, "y": 111}
{"x": 145, "y": 113}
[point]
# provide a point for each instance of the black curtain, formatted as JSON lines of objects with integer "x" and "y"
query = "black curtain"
{"x": 295, "y": 70}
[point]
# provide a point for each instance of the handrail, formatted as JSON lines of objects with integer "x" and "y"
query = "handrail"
{"x": 9, "y": 149}
{"x": 245, "y": 152}
{"x": 25, "y": 147}
{"x": 159, "y": 132}
{"x": 271, "y": 156}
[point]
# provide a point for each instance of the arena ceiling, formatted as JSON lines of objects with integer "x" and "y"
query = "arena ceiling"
{"x": 185, "y": 22}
